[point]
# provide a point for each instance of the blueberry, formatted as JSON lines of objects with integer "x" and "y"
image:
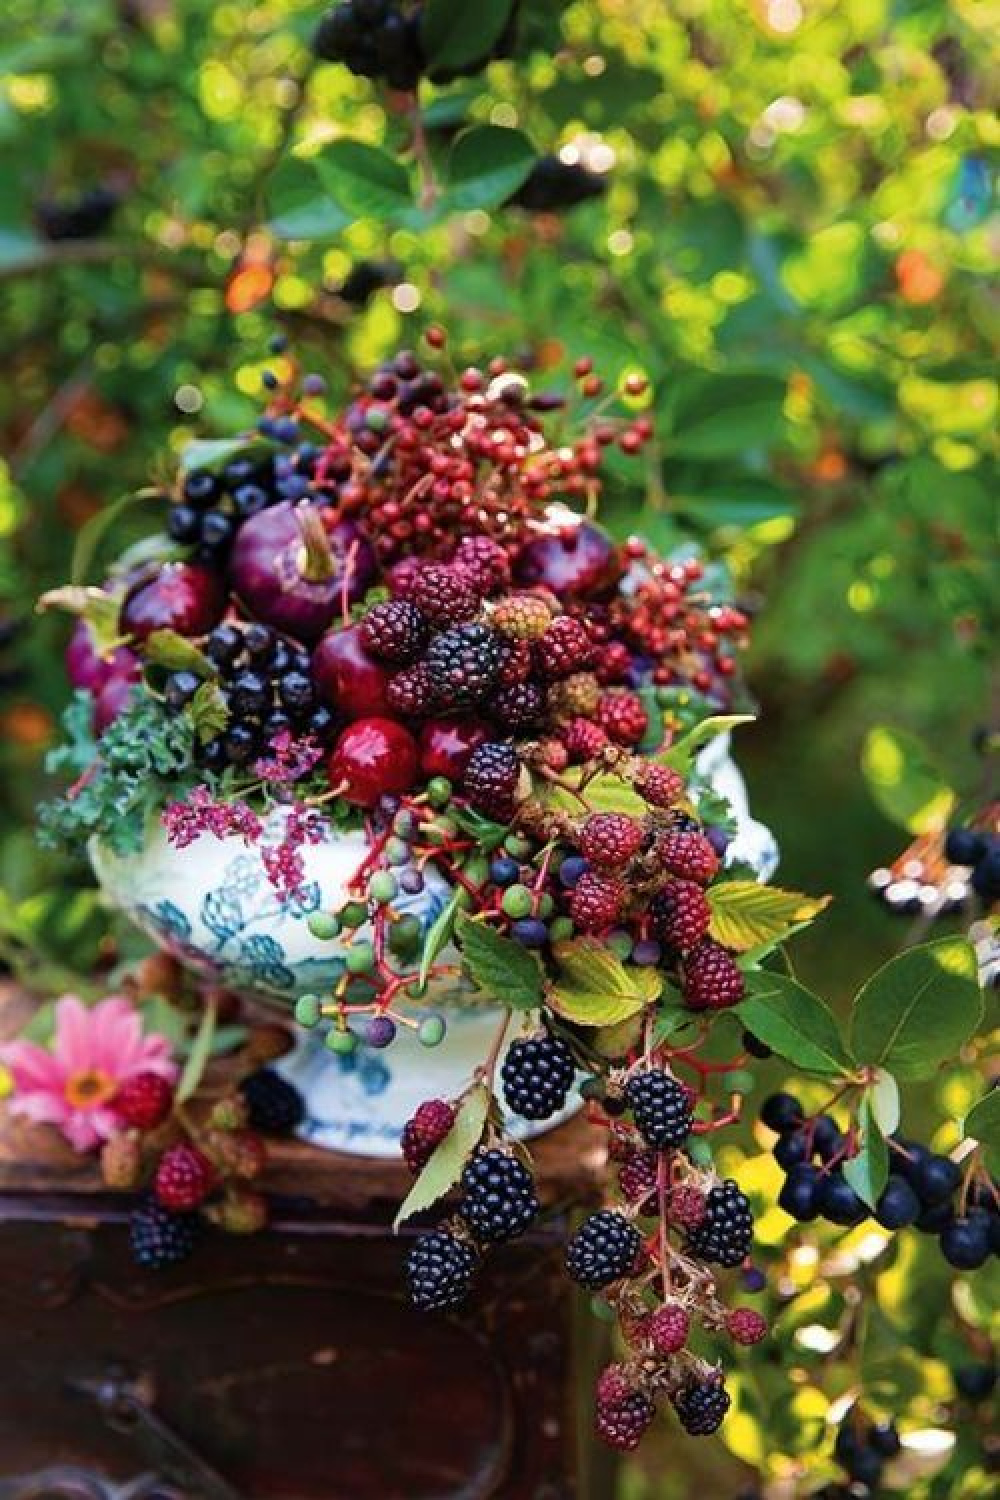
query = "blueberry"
{"x": 504, "y": 870}
{"x": 975, "y": 1382}
{"x": 884, "y": 1438}
{"x": 276, "y": 723}
{"x": 964, "y": 846}
{"x": 865, "y": 1467}
{"x": 259, "y": 642}
{"x": 180, "y": 688}
{"x": 238, "y": 471}
{"x": 249, "y": 694}
{"x": 800, "y": 1193}
{"x": 241, "y": 743}
{"x": 909, "y": 1157}
{"x": 571, "y": 869}
{"x": 828, "y": 1138}
{"x": 898, "y": 1204}
{"x": 933, "y": 1220}
{"x": 781, "y": 1111}
{"x": 965, "y": 1243}
{"x": 224, "y": 645}
{"x": 183, "y": 523}
{"x": 839, "y": 1202}
{"x": 530, "y": 932}
{"x": 200, "y": 487}
{"x": 935, "y": 1179}
{"x": 320, "y": 722}
{"x": 295, "y": 690}
{"x": 792, "y": 1149}
{"x": 986, "y": 875}
{"x": 249, "y": 499}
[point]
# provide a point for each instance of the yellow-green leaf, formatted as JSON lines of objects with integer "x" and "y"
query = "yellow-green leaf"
{"x": 746, "y": 915}
{"x": 596, "y": 988}
{"x": 603, "y": 793}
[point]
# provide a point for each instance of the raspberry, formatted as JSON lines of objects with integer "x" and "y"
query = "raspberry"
{"x": 574, "y": 696}
{"x": 425, "y": 1131}
{"x": 637, "y": 1177}
{"x": 485, "y": 561}
{"x": 143, "y": 1101}
{"x": 596, "y": 902}
{"x": 724, "y": 1235}
{"x": 273, "y": 1105}
{"x": 439, "y": 1270}
{"x": 519, "y": 706}
{"x": 613, "y": 1386}
{"x": 687, "y": 1207}
{"x": 445, "y": 595}
{"x": 702, "y": 1406}
{"x": 523, "y": 617}
{"x": 395, "y": 631}
{"x": 583, "y": 740}
{"x": 564, "y": 648}
{"x": 184, "y": 1178}
{"x": 603, "y": 1250}
{"x": 537, "y": 1075}
{"x": 121, "y": 1160}
{"x": 466, "y": 662}
{"x": 712, "y": 980}
{"x": 661, "y": 1107}
{"x": 669, "y": 1328}
{"x": 411, "y": 692}
{"x": 159, "y": 1239}
{"x": 609, "y": 840}
{"x": 621, "y": 1426}
{"x": 658, "y": 784}
{"x": 623, "y": 717}
{"x": 746, "y": 1326}
{"x": 689, "y": 855}
{"x": 499, "y": 1200}
{"x": 680, "y": 915}
{"x": 490, "y": 780}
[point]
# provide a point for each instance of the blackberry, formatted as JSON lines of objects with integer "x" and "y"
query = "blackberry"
{"x": 439, "y": 1270}
{"x": 553, "y": 184}
{"x": 621, "y": 1426}
{"x": 623, "y": 717}
{"x": 724, "y": 1235}
{"x": 609, "y": 840}
{"x": 637, "y": 1177}
{"x": 485, "y": 561}
{"x": 184, "y": 1178}
{"x": 445, "y": 595}
{"x": 659, "y": 784}
{"x": 661, "y": 1107}
{"x": 565, "y": 648}
{"x": 680, "y": 915}
{"x": 395, "y": 631}
{"x": 273, "y": 1104}
{"x": 712, "y": 980}
{"x": 411, "y": 692}
{"x": 689, "y": 856}
{"x": 523, "y": 617}
{"x": 519, "y": 706}
{"x": 491, "y": 778}
{"x": 425, "y": 1130}
{"x": 669, "y": 1328}
{"x": 159, "y": 1238}
{"x": 604, "y": 1249}
{"x": 537, "y": 1075}
{"x": 499, "y": 1200}
{"x": 466, "y": 662}
{"x": 702, "y": 1406}
{"x": 596, "y": 901}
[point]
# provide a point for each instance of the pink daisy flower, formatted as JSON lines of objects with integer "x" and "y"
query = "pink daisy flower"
{"x": 72, "y": 1084}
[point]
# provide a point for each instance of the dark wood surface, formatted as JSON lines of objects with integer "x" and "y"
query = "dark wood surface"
{"x": 288, "y": 1362}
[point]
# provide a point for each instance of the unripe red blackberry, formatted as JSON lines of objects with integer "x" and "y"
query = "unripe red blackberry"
{"x": 689, "y": 855}
{"x": 395, "y": 631}
{"x": 184, "y": 1178}
{"x": 412, "y": 692}
{"x": 565, "y": 648}
{"x": 702, "y": 1406}
{"x": 613, "y": 1385}
{"x": 725, "y": 1233}
{"x": 518, "y": 663}
{"x": 623, "y": 717}
{"x": 485, "y": 561}
{"x": 439, "y": 1270}
{"x": 498, "y": 1196}
{"x": 609, "y": 839}
{"x": 445, "y": 595}
{"x": 596, "y": 901}
{"x": 687, "y": 1206}
{"x": 660, "y": 785}
{"x": 712, "y": 980}
{"x": 519, "y": 706}
{"x": 491, "y": 778}
{"x": 661, "y": 1108}
{"x": 425, "y": 1130}
{"x": 637, "y": 1178}
{"x": 522, "y": 617}
{"x": 745, "y": 1325}
{"x": 669, "y": 1328}
{"x": 466, "y": 662}
{"x": 158, "y": 1238}
{"x": 583, "y": 740}
{"x": 621, "y": 1426}
{"x": 604, "y": 1249}
{"x": 537, "y": 1075}
{"x": 680, "y": 915}
{"x": 144, "y": 1101}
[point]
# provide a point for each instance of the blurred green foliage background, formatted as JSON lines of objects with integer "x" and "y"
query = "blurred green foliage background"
{"x": 794, "y": 242}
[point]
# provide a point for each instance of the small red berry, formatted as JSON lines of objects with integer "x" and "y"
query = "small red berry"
{"x": 613, "y": 1386}
{"x": 184, "y": 1178}
{"x": 712, "y": 980}
{"x": 659, "y": 784}
{"x": 746, "y": 1326}
{"x": 623, "y": 717}
{"x": 144, "y": 1101}
{"x": 669, "y": 1328}
{"x": 425, "y": 1131}
{"x": 689, "y": 855}
{"x": 596, "y": 902}
{"x": 687, "y": 1207}
{"x": 609, "y": 840}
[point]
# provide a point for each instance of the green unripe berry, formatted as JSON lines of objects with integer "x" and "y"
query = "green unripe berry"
{"x": 360, "y": 957}
{"x": 404, "y": 935}
{"x": 341, "y": 1042}
{"x": 546, "y": 906}
{"x": 517, "y": 847}
{"x": 323, "y": 925}
{"x": 307, "y": 1010}
{"x": 699, "y": 1150}
{"x": 477, "y": 869}
{"x": 353, "y": 914}
{"x": 441, "y": 831}
{"x": 383, "y": 887}
{"x": 620, "y": 944}
{"x": 397, "y": 851}
{"x": 439, "y": 791}
{"x": 517, "y": 902}
{"x": 431, "y": 1031}
{"x": 560, "y": 928}
{"x": 739, "y": 1081}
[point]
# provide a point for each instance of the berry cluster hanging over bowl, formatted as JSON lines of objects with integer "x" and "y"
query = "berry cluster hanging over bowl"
{"x": 389, "y": 728}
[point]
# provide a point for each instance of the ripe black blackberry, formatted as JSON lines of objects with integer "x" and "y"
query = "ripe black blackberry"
{"x": 661, "y": 1107}
{"x": 439, "y": 1270}
{"x": 603, "y": 1250}
{"x": 702, "y": 1406}
{"x": 466, "y": 662}
{"x": 80, "y": 218}
{"x": 499, "y": 1200}
{"x": 537, "y": 1075}
{"x": 725, "y": 1233}
{"x": 490, "y": 779}
{"x": 411, "y": 692}
{"x": 273, "y": 1104}
{"x": 622, "y": 1425}
{"x": 395, "y": 631}
{"x": 553, "y": 184}
{"x": 519, "y": 706}
{"x": 374, "y": 39}
{"x": 159, "y": 1238}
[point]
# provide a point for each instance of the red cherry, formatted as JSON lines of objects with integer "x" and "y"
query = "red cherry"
{"x": 578, "y": 561}
{"x": 181, "y": 596}
{"x": 373, "y": 758}
{"x": 346, "y": 677}
{"x": 446, "y": 745}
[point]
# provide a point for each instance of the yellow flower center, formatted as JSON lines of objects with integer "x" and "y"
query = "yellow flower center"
{"x": 91, "y": 1089}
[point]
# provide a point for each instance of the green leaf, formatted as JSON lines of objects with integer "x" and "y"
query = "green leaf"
{"x": 298, "y": 210}
{"x": 455, "y": 34}
{"x": 215, "y": 453}
{"x": 486, "y": 165}
{"x": 884, "y": 1094}
{"x": 682, "y": 753}
{"x": 604, "y": 793}
{"x": 746, "y": 914}
{"x": 795, "y": 1023}
{"x": 201, "y": 1051}
{"x": 596, "y": 988}
{"x": 175, "y": 652}
{"x": 918, "y": 1009}
{"x": 903, "y": 780}
{"x": 500, "y": 966}
{"x": 209, "y": 712}
{"x": 89, "y": 536}
{"x": 868, "y": 1171}
{"x": 719, "y": 416}
{"x": 982, "y": 1124}
{"x": 438, "y": 936}
{"x": 365, "y": 182}
{"x": 445, "y": 1166}
{"x": 99, "y": 608}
